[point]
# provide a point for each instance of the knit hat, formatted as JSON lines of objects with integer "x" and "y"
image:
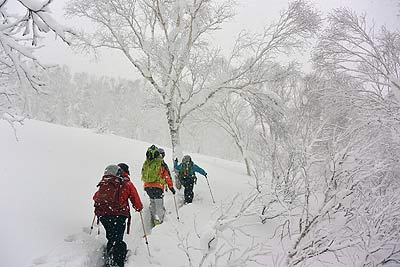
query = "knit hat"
{"x": 186, "y": 159}
{"x": 124, "y": 167}
{"x": 162, "y": 152}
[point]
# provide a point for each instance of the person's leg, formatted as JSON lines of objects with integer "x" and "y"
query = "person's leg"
{"x": 160, "y": 210}
{"x": 120, "y": 247}
{"x": 157, "y": 209}
{"x": 120, "y": 250}
{"x": 156, "y": 204}
{"x": 115, "y": 229}
{"x": 178, "y": 183}
{"x": 152, "y": 208}
{"x": 108, "y": 221}
{"x": 189, "y": 184}
{"x": 150, "y": 192}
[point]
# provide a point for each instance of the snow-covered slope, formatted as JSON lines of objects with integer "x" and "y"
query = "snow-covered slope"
{"x": 47, "y": 179}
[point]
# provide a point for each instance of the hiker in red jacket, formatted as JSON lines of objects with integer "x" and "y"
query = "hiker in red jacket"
{"x": 112, "y": 209}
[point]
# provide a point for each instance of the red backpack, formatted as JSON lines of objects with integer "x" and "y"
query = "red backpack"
{"x": 107, "y": 201}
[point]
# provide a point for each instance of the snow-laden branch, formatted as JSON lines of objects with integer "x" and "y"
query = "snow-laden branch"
{"x": 350, "y": 44}
{"x": 216, "y": 244}
{"x": 19, "y": 37}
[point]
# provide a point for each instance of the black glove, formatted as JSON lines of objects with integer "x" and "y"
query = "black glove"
{"x": 172, "y": 190}
{"x": 176, "y": 160}
{"x": 205, "y": 175}
{"x": 138, "y": 210}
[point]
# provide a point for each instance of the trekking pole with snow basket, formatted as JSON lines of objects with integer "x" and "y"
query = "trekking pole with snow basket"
{"x": 91, "y": 227}
{"x": 176, "y": 208}
{"x": 145, "y": 236}
{"x": 210, "y": 189}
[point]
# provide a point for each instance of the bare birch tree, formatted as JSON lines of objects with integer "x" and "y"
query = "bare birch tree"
{"x": 169, "y": 44}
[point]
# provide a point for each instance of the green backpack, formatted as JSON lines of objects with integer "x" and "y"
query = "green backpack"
{"x": 186, "y": 170}
{"x": 151, "y": 166}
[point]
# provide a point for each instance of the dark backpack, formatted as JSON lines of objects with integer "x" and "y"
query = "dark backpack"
{"x": 107, "y": 201}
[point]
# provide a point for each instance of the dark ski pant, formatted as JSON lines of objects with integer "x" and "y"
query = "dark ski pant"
{"x": 115, "y": 228}
{"x": 188, "y": 184}
{"x": 157, "y": 210}
{"x": 154, "y": 192}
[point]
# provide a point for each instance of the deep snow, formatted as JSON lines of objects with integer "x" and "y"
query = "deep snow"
{"x": 48, "y": 177}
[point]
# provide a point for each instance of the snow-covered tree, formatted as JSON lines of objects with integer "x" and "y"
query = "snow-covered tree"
{"x": 169, "y": 43}
{"x": 354, "y": 46}
{"x": 19, "y": 37}
{"x": 270, "y": 104}
{"x": 360, "y": 113}
{"x": 325, "y": 155}
{"x": 334, "y": 149}
{"x": 233, "y": 114}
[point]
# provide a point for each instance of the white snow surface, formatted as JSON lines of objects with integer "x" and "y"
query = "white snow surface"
{"x": 48, "y": 177}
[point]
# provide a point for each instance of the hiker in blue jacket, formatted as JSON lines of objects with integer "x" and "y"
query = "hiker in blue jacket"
{"x": 186, "y": 175}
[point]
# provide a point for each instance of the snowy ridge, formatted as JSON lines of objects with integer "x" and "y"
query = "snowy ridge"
{"x": 53, "y": 171}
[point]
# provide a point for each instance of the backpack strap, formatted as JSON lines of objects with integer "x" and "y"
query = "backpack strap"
{"x": 98, "y": 228}
{"x": 129, "y": 225}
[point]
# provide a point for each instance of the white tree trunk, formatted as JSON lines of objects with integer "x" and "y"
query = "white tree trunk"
{"x": 176, "y": 141}
{"x": 174, "y": 130}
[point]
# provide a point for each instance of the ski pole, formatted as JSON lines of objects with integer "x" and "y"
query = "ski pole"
{"x": 91, "y": 227}
{"x": 176, "y": 208}
{"x": 144, "y": 231}
{"x": 210, "y": 189}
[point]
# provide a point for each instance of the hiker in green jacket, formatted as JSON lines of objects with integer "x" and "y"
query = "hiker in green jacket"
{"x": 155, "y": 177}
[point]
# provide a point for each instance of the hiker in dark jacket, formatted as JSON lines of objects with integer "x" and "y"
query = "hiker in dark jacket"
{"x": 186, "y": 175}
{"x": 113, "y": 216}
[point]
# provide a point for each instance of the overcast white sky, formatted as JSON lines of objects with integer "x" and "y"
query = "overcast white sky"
{"x": 251, "y": 14}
